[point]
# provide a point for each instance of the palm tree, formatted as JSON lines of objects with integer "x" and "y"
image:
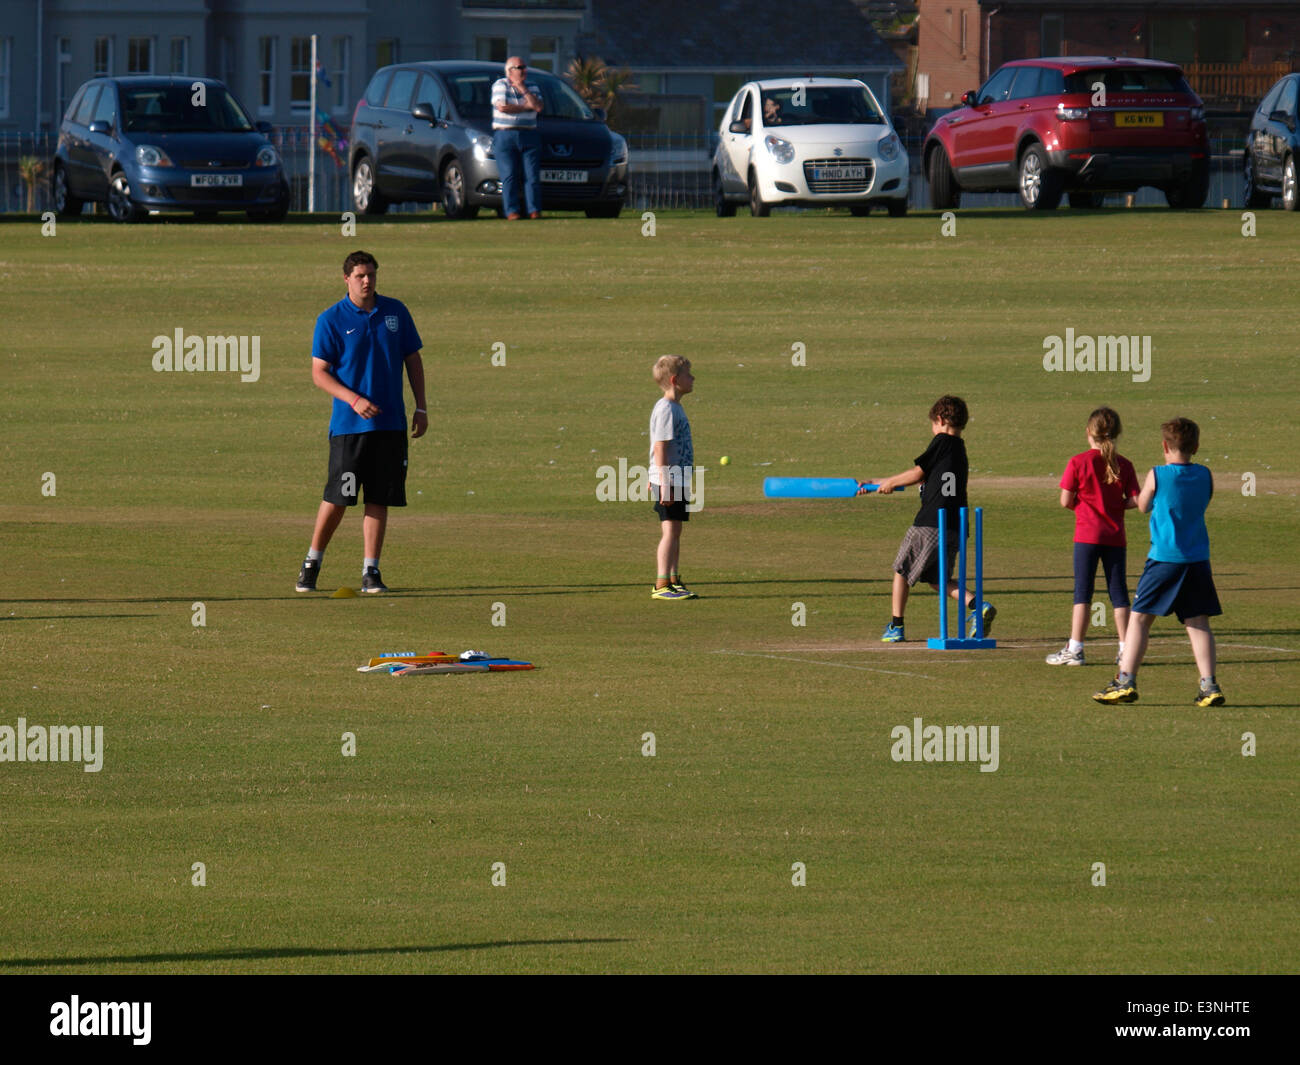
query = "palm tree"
{"x": 31, "y": 168}
{"x": 599, "y": 85}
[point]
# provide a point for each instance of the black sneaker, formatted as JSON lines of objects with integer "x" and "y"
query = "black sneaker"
{"x": 371, "y": 582}
{"x": 308, "y": 574}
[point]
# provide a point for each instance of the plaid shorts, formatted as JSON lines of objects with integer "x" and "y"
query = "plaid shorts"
{"x": 918, "y": 555}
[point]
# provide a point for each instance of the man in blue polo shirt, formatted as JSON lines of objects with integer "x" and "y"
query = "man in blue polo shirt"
{"x": 361, "y": 345}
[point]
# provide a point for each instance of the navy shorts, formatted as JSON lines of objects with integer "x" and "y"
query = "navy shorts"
{"x": 1086, "y": 557}
{"x": 1182, "y": 588}
{"x": 371, "y": 462}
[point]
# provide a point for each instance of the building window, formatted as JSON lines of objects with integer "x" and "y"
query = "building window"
{"x": 63, "y": 79}
{"x": 544, "y": 53}
{"x": 103, "y": 55}
{"x": 1174, "y": 39}
{"x": 650, "y": 83}
{"x": 342, "y": 72}
{"x": 179, "y": 60}
{"x": 385, "y": 52}
{"x": 1052, "y": 37}
{"x": 963, "y": 34}
{"x": 1221, "y": 39}
{"x": 139, "y": 55}
{"x": 491, "y": 49}
{"x": 6, "y": 54}
{"x": 266, "y": 75}
{"x": 300, "y": 73}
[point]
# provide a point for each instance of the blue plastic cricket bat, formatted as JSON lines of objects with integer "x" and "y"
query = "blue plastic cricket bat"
{"x": 813, "y": 487}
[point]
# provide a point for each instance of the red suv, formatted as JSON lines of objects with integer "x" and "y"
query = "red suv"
{"x": 1082, "y": 126}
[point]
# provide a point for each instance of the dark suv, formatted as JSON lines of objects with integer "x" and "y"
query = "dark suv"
{"x": 423, "y": 133}
{"x": 145, "y": 143}
{"x": 1081, "y": 126}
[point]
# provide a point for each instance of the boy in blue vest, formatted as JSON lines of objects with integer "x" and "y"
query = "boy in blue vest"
{"x": 1177, "y": 577}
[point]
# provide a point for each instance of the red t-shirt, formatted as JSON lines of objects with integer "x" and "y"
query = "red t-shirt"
{"x": 1099, "y": 514}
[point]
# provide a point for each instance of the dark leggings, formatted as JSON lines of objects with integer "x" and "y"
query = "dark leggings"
{"x": 1086, "y": 557}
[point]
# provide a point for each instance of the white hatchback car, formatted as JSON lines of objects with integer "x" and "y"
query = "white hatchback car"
{"x": 814, "y": 142}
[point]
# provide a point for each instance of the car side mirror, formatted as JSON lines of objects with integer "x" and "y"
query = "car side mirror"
{"x": 1283, "y": 118}
{"x": 600, "y": 113}
{"x": 100, "y": 126}
{"x": 970, "y": 97}
{"x": 424, "y": 112}
{"x": 738, "y": 127}
{"x": 263, "y": 127}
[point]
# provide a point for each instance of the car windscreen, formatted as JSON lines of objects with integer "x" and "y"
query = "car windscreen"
{"x": 472, "y": 95}
{"x": 181, "y": 109}
{"x": 812, "y": 105}
{"x": 1127, "y": 79}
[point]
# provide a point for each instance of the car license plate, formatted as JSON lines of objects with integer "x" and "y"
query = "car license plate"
{"x": 1139, "y": 118}
{"x": 839, "y": 173}
{"x": 204, "y": 181}
{"x": 566, "y": 177}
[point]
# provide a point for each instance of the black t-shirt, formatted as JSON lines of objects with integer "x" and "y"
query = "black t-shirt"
{"x": 946, "y": 470}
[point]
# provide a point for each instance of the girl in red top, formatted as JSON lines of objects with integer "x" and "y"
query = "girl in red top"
{"x": 1098, "y": 485}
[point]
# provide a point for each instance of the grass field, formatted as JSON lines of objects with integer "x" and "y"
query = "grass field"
{"x": 223, "y": 742}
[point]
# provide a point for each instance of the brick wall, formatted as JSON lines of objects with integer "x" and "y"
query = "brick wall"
{"x": 951, "y": 69}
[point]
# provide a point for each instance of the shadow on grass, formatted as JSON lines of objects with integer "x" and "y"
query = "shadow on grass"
{"x": 263, "y": 953}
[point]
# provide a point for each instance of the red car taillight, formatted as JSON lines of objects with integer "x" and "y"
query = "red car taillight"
{"x": 1071, "y": 114}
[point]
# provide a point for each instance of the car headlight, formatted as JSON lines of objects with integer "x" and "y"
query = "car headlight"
{"x": 889, "y": 146}
{"x": 148, "y": 155}
{"x": 267, "y": 156}
{"x": 617, "y": 149}
{"x": 782, "y": 150}
{"x": 482, "y": 146}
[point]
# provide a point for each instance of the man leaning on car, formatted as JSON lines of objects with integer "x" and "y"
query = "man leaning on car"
{"x": 516, "y": 143}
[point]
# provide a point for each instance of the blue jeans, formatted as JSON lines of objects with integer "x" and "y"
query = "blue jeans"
{"x": 511, "y": 148}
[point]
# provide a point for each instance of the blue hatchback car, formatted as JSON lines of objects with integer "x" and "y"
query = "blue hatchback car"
{"x": 146, "y": 143}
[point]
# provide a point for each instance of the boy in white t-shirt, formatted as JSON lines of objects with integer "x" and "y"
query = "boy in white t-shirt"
{"x": 671, "y": 458}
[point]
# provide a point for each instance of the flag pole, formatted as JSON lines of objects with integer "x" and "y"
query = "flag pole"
{"x": 311, "y": 135}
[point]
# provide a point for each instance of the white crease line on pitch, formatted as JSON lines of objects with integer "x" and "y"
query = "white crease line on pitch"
{"x": 1257, "y": 647}
{"x": 833, "y": 665}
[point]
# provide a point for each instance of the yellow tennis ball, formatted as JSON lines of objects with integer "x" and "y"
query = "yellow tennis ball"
{"x": 725, "y": 460}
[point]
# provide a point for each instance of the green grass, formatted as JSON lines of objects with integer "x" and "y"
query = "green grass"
{"x": 223, "y": 742}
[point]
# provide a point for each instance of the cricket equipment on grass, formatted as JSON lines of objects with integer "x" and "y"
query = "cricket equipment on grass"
{"x": 482, "y": 665}
{"x": 982, "y": 611}
{"x": 814, "y": 487}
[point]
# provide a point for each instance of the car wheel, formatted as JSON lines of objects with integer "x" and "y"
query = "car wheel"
{"x": 121, "y": 208}
{"x": 453, "y": 193}
{"x": 1087, "y": 201}
{"x": 1040, "y": 185}
{"x": 944, "y": 191}
{"x": 897, "y": 208}
{"x": 722, "y": 207}
{"x": 605, "y": 210}
{"x": 1290, "y": 193}
{"x": 365, "y": 197}
{"x": 65, "y": 203}
{"x": 1252, "y": 196}
{"x": 1191, "y": 193}
{"x": 860, "y": 210}
{"x": 757, "y": 207}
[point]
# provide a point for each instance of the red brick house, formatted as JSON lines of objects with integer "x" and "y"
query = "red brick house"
{"x": 1232, "y": 50}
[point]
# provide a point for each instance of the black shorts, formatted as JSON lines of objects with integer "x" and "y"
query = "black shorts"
{"x": 371, "y": 462}
{"x": 674, "y": 511}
